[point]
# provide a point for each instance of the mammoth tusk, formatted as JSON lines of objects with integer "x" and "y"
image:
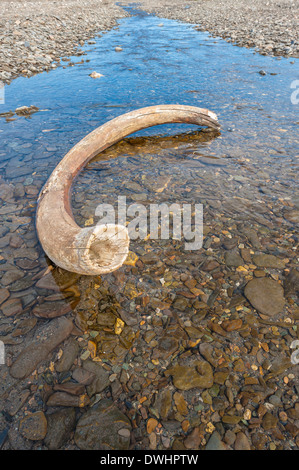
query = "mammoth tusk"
{"x": 102, "y": 248}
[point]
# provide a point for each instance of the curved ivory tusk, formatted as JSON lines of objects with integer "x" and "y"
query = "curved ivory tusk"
{"x": 103, "y": 248}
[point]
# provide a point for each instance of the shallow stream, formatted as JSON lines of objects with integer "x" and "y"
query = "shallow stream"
{"x": 246, "y": 177}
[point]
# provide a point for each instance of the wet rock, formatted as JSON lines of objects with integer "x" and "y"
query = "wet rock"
{"x": 70, "y": 352}
{"x": 15, "y": 241}
{"x": 12, "y": 307}
{"x": 239, "y": 365}
{"x": 129, "y": 318}
{"x": 70, "y": 387}
{"x": 23, "y": 252}
{"x": 150, "y": 258}
{"x": 268, "y": 261}
{"x": 259, "y": 273}
{"x": 194, "y": 439}
{"x": 186, "y": 377}
{"x": 133, "y": 186}
{"x": 11, "y": 276}
{"x": 217, "y": 328}
{"x": 3, "y": 231}
{"x": 167, "y": 346}
{"x": 26, "y": 110}
{"x": 57, "y": 280}
{"x": 291, "y": 428}
{"x": 265, "y": 295}
{"x": 83, "y": 376}
{"x": 220, "y": 377}
{"x": 229, "y": 437}
{"x": 53, "y": 334}
{"x": 280, "y": 365}
{"x": 6, "y": 192}
{"x": 5, "y": 326}
{"x": 230, "y": 243}
{"x": 106, "y": 319}
{"x": 231, "y": 419}
{"x": 27, "y": 264}
{"x": 149, "y": 335}
{"x": 252, "y": 236}
{"x": 24, "y": 326}
{"x": 22, "y": 284}
{"x": 269, "y": 421}
{"x": 233, "y": 258}
{"x": 275, "y": 400}
{"x": 15, "y": 171}
{"x": 60, "y": 426}
{"x": 51, "y": 309}
{"x": 180, "y": 303}
{"x": 241, "y": 442}
{"x": 291, "y": 283}
{"x": 292, "y": 215}
{"x": 180, "y": 403}
{"x": 206, "y": 350}
{"x": 293, "y": 413}
{"x": 19, "y": 190}
{"x": 163, "y": 403}
{"x": 101, "y": 380}
{"x": 215, "y": 442}
{"x": 95, "y": 75}
{"x": 159, "y": 184}
{"x": 246, "y": 255}
{"x": 4, "y": 241}
{"x": 98, "y": 428}
{"x": 151, "y": 425}
{"x": 34, "y": 426}
{"x": 232, "y": 325}
{"x": 4, "y": 294}
{"x": 210, "y": 265}
{"x": 259, "y": 440}
{"x": 65, "y": 399}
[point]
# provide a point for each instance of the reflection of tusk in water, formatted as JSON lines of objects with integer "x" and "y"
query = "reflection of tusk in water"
{"x": 103, "y": 248}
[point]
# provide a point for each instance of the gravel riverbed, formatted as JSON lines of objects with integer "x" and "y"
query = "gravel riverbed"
{"x": 35, "y": 35}
{"x": 270, "y": 27}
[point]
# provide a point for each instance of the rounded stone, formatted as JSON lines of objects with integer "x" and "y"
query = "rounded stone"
{"x": 34, "y": 426}
{"x": 197, "y": 375}
{"x": 103, "y": 428}
{"x": 60, "y": 425}
{"x": 242, "y": 442}
{"x": 265, "y": 295}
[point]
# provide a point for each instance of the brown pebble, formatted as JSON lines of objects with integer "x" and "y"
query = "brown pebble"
{"x": 242, "y": 442}
{"x": 69, "y": 387}
{"x": 151, "y": 425}
{"x": 194, "y": 439}
{"x": 34, "y": 426}
{"x": 12, "y": 307}
{"x": 231, "y": 325}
